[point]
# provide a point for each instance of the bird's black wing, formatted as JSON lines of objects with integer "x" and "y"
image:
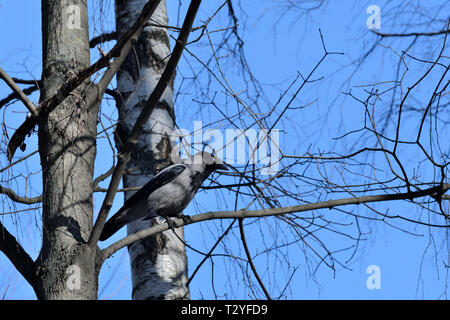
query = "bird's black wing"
{"x": 162, "y": 178}
{"x": 117, "y": 221}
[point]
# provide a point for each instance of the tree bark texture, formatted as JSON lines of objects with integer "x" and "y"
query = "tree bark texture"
{"x": 67, "y": 145}
{"x": 158, "y": 263}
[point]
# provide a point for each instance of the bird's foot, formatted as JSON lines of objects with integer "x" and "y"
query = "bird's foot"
{"x": 186, "y": 219}
{"x": 170, "y": 222}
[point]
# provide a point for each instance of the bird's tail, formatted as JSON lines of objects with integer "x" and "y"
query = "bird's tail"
{"x": 111, "y": 227}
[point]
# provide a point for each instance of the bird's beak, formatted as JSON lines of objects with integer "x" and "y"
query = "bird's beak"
{"x": 221, "y": 166}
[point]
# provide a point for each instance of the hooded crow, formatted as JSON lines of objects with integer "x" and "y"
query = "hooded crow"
{"x": 167, "y": 194}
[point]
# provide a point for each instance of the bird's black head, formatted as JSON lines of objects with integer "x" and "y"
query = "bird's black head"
{"x": 209, "y": 162}
{"x": 217, "y": 166}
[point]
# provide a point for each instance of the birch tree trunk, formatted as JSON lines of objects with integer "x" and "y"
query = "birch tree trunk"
{"x": 65, "y": 268}
{"x": 158, "y": 263}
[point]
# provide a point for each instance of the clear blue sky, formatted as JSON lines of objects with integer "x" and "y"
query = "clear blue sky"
{"x": 276, "y": 49}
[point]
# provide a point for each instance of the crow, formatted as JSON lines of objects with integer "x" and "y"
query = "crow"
{"x": 167, "y": 194}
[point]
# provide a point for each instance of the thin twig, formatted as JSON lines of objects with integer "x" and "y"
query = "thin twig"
{"x": 22, "y": 96}
{"x": 250, "y": 260}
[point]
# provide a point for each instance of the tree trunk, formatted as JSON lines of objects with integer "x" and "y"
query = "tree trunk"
{"x": 67, "y": 146}
{"x": 158, "y": 263}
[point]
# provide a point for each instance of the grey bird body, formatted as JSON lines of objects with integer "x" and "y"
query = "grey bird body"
{"x": 167, "y": 194}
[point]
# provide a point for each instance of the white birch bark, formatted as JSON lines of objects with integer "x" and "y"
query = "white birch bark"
{"x": 158, "y": 263}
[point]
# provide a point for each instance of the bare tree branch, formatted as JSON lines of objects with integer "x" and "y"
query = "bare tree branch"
{"x": 26, "y": 81}
{"x": 15, "y": 197}
{"x": 250, "y": 259}
{"x": 17, "y": 255}
{"x": 15, "y": 95}
{"x": 208, "y": 255}
{"x": 18, "y": 161}
{"x": 241, "y": 214}
{"x": 104, "y": 37}
{"x": 410, "y": 34}
{"x": 113, "y": 93}
{"x": 22, "y": 96}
